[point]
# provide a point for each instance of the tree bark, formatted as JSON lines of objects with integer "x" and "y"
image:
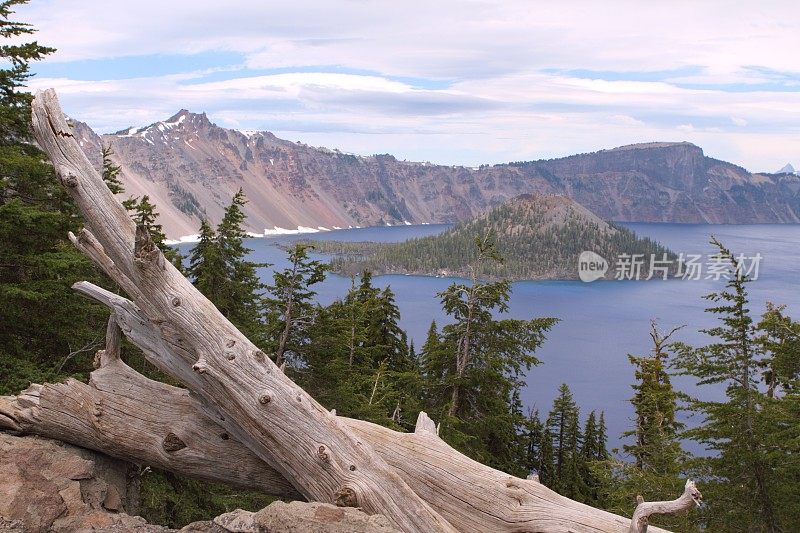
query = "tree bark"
{"x": 292, "y": 432}
{"x": 690, "y": 499}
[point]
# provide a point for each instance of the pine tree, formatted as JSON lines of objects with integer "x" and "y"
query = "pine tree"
{"x": 747, "y": 473}
{"x": 473, "y": 377}
{"x": 219, "y": 268}
{"x": 656, "y": 448}
{"x": 656, "y": 470}
{"x": 144, "y": 213}
{"x": 290, "y": 308}
{"x": 40, "y": 340}
{"x": 111, "y": 171}
{"x": 207, "y": 269}
{"x": 357, "y": 361}
{"x": 563, "y": 424}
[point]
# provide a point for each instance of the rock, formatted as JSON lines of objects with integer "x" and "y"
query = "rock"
{"x": 47, "y": 485}
{"x": 295, "y": 517}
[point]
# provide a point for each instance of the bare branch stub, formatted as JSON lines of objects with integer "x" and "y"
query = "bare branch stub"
{"x": 690, "y": 499}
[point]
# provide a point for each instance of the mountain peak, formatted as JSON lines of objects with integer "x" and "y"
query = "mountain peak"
{"x": 195, "y": 119}
{"x": 787, "y": 169}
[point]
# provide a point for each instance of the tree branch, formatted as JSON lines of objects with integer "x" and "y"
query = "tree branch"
{"x": 690, "y": 499}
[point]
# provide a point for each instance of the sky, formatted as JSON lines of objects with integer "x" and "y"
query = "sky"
{"x": 453, "y": 82}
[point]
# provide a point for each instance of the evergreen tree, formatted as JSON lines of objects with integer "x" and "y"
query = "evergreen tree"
{"x": 658, "y": 460}
{"x": 207, "y": 269}
{"x": 563, "y": 423}
{"x": 111, "y": 171}
{"x": 219, "y": 268}
{"x": 746, "y": 488}
{"x": 357, "y": 362}
{"x": 656, "y": 448}
{"x": 474, "y": 375}
{"x": 144, "y": 213}
{"x": 386, "y": 341}
{"x": 40, "y": 340}
{"x": 601, "y": 444}
{"x": 290, "y": 308}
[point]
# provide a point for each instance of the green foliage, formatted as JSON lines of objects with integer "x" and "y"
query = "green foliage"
{"x": 657, "y": 470}
{"x": 751, "y": 434}
{"x": 15, "y": 104}
{"x": 564, "y": 425}
{"x": 538, "y": 238}
{"x": 656, "y": 447}
{"x": 473, "y": 369}
{"x": 219, "y": 269}
{"x": 570, "y": 461}
{"x": 174, "y": 501}
{"x": 358, "y": 361}
{"x": 289, "y": 308}
{"x": 144, "y": 214}
{"x": 111, "y": 171}
{"x": 39, "y": 338}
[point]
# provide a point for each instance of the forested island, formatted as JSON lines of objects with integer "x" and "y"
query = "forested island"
{"x": 539, "y": 237}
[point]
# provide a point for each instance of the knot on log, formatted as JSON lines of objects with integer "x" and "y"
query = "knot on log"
{"x": 172, "y": 443}
{"x": 345, "y": 497}
{"x": 260, "y": 356}
{"x": 230, "y": 343}
{"x": 69, "y": 179}
{"x": 323, "y": 455}
{"x": 230, "y": 356}
{"x": 176, "y": 302}
{"x": 265, "y": 398}
{"x": 200, "y": 367}
{"x": 99, "y": 355}
{"x": 145, "y": 250}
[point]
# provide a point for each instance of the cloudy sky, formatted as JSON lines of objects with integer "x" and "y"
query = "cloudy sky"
{"x": 458, "y": 82}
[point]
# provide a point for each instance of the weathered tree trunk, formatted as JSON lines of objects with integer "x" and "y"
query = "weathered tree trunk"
{"x": 264, "y": 409}
{"x": 469, "y": 495}
{"x": 416, "y": 480}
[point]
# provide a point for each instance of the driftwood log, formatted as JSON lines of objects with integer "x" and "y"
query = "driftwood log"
{"x": 241, "y": 405}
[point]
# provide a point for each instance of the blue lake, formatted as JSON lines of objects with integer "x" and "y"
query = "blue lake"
{"x": 601, "y": 322}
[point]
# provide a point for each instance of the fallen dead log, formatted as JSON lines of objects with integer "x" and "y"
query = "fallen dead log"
{"x": 292, "y": 432}
{"x": 469, "y": 495}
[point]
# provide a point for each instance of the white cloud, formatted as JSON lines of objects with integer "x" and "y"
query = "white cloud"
{"x": 510, "y": 93}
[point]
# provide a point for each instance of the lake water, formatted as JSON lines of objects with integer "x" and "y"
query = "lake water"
{"x": 601, "y": 322}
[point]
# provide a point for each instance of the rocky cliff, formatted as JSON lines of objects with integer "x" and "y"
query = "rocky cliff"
{"x": 191, "y": 168}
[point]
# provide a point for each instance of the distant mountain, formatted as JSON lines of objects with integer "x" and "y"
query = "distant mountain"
{"x": 539, "y": 236}
{"x": 787, "y": 169}
{"x": 191, "y": 168}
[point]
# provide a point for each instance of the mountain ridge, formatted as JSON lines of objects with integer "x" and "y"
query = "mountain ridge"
{"x": 191, "y": 168}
